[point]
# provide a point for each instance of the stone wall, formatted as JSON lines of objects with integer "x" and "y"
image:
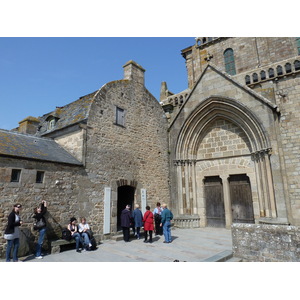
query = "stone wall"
{"x": 61, "y": 189}
{"x": 73, "y": 143}
{"x": 266, "y": 243}
{"x": 136, "y": 152}
{"x": 249, "y": 53}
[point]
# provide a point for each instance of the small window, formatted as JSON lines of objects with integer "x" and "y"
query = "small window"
{"x": 271, "y": 73}
{"x": 15, "y": 175}
{"x": 40, "y": 177}
{"x": 262, "y": 75}
{"x": 51, "y": 124}
{"x": 255, "y": 77}
{"x": 297, "y": 65}
{"x": 288, "y": 68}
{"x": 279, "y": 70}
{"x": 229, "y": 61}
{"x": 247, "y": 79}
{"x": 120, "y": 116}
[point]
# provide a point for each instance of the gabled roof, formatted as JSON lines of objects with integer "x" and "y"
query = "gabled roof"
{"x": 19, "y": 145}
{"x": 69, "y": 114}
{"x": 234, "y": 82}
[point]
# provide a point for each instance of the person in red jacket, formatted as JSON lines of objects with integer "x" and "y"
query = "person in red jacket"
{"x": 148, "y": 224}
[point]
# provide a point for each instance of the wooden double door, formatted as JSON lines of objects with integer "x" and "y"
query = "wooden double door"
{"x": 240, "y": 200}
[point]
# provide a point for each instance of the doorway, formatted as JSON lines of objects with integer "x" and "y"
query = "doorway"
{"x": 125, "y": 196}
{"x": 215, "y": 211}
{"x": 241, "y": 199}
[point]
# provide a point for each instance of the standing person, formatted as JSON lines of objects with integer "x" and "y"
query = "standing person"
{"x": 39, "y": 216}
{"x": 166, "y": 217}
{"x": 126, "y": 222}
{"x": 12, "y": 232}
{"x": 148, "y": 224}
{"x": 74, "y": 232}
{"x": 157, "y": 219}
{"x": 84, "y": 230}
{"x": 138, "y": 220}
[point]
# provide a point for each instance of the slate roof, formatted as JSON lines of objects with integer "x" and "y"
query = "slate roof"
{"x": 67, "y": 115}
{"x": 31, "y": 147}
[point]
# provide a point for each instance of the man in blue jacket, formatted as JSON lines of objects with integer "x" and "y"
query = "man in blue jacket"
{"x": 166, "y": 217}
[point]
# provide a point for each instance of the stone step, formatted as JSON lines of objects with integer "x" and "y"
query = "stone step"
{"x": 220, "y": 257}
{"x": 234, "y": 259}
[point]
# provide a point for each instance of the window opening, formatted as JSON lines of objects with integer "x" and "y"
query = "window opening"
{"x": 120, "y": 116}
{"x": 247, "y": 79}
{"x": 271, "y": 73}
{"x": 15, "y": 175}
{"x": 262, "y": 75}
{"x": 40, "y": 177}
{"x": 229, "y": 61}
{"x": 279, "y": 70}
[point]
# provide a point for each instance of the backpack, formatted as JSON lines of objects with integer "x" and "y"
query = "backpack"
{"x": 94, "y": 244}
{"x": 66, "y": 234}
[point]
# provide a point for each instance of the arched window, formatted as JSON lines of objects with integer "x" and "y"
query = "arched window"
{"x": 288, "y": 68}
{"x": 297, "y": 65}
{"x": 247, "y": 79}
{"x": 229, "y": 61}
{"x": 255, "y": 77}
{"x": 279, "y": 70}
{"x": 271, "y": 73}
{"x": 262, "y": 75}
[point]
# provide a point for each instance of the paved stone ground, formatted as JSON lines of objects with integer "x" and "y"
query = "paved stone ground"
{"x": 191, "y": 245}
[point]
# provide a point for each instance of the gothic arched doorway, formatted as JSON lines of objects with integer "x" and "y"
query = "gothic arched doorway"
{"x": 125, "y": 196}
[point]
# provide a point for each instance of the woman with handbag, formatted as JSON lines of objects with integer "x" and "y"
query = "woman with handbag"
{"x": 12, "y": 233}
{"x": 40, "y": 225}
{"x": 148, "y": 224}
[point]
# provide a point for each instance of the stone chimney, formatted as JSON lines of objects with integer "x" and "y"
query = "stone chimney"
{"x": 133, "y": 71}
{"x": 28, "y": 125}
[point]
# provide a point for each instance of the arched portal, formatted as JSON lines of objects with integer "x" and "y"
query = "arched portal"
{"x": 223, "y": 138}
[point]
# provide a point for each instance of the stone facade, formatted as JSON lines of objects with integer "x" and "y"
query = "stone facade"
{"x": 117, "y": 163}
{"x": 223, "y": 151}
{"x": 238, "y": 117}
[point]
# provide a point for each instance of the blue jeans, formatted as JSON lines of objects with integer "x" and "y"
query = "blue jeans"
{"x": 77, "y": 238}
{"x": 38, "y": 251}
{"x": 12, "y": 243}
{"x": 86, "y": 239}
{"x": 167, "y": 231}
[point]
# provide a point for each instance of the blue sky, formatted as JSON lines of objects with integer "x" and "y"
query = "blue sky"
{"x": 38, "y": 74}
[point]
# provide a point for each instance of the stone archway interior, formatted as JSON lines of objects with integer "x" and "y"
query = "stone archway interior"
{"x": 125, "y": 196}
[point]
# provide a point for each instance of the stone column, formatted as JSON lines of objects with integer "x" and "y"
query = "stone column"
{"x": 177, "y": 164}
{"x": 227, "y": 201}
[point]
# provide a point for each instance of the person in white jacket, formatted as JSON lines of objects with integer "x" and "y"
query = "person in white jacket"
{"x": 84, "y": 230}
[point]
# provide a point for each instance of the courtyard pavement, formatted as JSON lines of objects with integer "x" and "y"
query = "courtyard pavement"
{"x": 190, "y": 245}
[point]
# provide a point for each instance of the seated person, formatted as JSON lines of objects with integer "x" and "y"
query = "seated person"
{"x": 84, "y": 230}
{"x": 74, "y": 232}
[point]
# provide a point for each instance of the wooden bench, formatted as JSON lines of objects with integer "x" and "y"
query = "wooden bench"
{"x": 56, "y": 245}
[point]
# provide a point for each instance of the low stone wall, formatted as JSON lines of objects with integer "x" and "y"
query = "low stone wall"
{"x": 266, "y": 243}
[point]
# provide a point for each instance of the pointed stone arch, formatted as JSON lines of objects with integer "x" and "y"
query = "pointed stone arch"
{"x": 195, "y": 129}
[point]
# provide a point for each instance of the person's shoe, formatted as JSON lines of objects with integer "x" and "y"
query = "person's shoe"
{"x": 90, "y": 245}
{"x": 166, "y": 242}
{"x": 150, "y": 242}
{"x": 39, "y": 257}
{"x": 79, "y": 251}
{"x": 145, "y": 241}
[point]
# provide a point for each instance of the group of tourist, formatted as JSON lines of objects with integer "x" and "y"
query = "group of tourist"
{"x": 160, "y": 219}
{"x": 81, "y": 233}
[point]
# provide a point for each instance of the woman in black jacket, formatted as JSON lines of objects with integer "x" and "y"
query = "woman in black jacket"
{"x": 12, "y": 232}
{"x": 40, "y": 225}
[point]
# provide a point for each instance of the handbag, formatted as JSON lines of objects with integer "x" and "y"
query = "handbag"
{"x": 39, "y": 224}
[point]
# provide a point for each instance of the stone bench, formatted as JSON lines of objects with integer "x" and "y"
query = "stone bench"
{"x": 56, "y": 245}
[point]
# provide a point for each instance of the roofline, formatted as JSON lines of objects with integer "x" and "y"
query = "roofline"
{"x": 41, "y": 160}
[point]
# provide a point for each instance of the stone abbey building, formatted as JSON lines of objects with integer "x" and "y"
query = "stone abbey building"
{"x": 224, "y": 151}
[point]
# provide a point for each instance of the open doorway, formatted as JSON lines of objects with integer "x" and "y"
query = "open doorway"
{"x": 125, "y": 196}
